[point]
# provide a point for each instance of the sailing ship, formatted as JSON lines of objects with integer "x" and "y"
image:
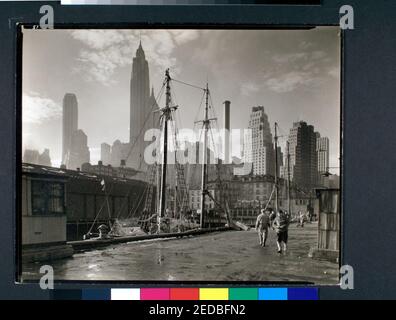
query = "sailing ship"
{"x": 154, "y": 217}
{"x": 150, "y": 215}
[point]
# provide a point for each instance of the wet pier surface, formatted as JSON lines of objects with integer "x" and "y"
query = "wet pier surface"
{"x": 220, "y": 256}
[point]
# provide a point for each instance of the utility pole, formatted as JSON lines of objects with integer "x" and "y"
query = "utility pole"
{"x": 276, "y": 168}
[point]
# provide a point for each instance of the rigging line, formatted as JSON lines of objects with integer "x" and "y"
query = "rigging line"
{"x": 145, "y": 121}
{"x": 188, "y": 84}
{"x": 199, "y": 109}
{"x": 215, "y": 150}
{"x": 107, "y": 200}
{"x": 138, "y": 203}
{"x": 270, "y": 198}
{"x": 180, "y": 168}
{"x": 128, "y": 193}
{"x": 100, "y": 210}
{"x": 124, "y": 202}
{"x": 145, "y": 190}
{"x": 173, "y": 96}
{"x": 176, "y": 116}
{"x": 137, "y": 206}
{"x": 212, "y": 106}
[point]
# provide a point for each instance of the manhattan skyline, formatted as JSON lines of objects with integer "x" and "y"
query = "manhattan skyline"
{"x": 295, "y": 75}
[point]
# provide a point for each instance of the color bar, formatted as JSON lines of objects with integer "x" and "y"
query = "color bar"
{"x": 96, "y": 294}
{"x": 184, "y": 294}
{"x": 213, "y": 294}
{"x": 154, "y": 293}
{"x": 192, "y": 294}
{"x": 272, "y": 294}
{"x": 302, "y": 294}
{"x": 125, "y": 294}
{"x": 243, "y": 294}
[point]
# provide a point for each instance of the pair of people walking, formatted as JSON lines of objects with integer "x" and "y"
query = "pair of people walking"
{"x": 279, "y": 222}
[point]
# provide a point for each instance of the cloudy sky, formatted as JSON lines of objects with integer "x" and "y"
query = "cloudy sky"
{"x": 294, "y": 74}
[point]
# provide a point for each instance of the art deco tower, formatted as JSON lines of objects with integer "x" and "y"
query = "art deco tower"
{"x": 139, "y": 107}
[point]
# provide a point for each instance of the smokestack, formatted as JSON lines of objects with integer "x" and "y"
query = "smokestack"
{"x": 226, "y": 148}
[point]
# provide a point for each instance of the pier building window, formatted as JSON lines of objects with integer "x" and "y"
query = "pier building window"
{"x": 47, "y": 197}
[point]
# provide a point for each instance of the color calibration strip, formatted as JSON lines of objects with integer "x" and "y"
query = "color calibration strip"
{"x": 202, "y": 294}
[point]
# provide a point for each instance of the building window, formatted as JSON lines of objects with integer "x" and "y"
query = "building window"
{"x": 47, "y": 197}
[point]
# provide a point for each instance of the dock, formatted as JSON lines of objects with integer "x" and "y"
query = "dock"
{"x": 91, "y": 244}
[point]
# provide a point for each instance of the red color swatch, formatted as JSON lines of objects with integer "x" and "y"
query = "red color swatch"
{"x": 184, "y": 294}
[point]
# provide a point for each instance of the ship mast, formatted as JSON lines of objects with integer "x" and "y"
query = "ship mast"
{"x": 165, "y": 116}
{"x": 276, "y": 168}
{"x": 206, "y": 127}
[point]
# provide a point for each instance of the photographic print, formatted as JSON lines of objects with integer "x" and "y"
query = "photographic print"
{"x": 181, "y": 154}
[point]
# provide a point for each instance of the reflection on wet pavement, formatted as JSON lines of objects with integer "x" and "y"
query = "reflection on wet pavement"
{"x": 223, "y": 256}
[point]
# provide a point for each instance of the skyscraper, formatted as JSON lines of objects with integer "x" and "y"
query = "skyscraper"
{"x": 303, "y": 156}
{"x": 79, "y": 151}
{"x": 260, "y": 148}
{"x": 105, "y": 153}
{"x": 322, "y": 148}
{"x": 70, "y": 122}
{"x": 142, "y": 105}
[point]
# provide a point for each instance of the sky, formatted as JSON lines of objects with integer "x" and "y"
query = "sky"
{"x": 294, "y": 74}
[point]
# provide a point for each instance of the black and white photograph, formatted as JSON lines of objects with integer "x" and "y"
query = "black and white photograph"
{"x": 181, "y": 155}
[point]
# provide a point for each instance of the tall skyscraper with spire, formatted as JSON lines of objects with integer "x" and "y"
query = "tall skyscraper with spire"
{"x": 142, "y": 105}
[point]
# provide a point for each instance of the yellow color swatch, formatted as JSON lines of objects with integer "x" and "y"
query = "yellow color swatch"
{"x": 213, "y": 293}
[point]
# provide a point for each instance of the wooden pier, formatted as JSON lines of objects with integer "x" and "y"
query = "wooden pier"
{"x": 91, "y": 244}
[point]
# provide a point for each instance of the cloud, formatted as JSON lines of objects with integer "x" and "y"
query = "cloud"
{"x": 249, "y": 88}
{"x": 299, "y": 70}
{"x": 289, "y": 57}
{"x": 184, "y": 36}
{"x": 103, "y": 51}
{"x": 37, "y": 109}
{"x": 289, "y": 81}
{"x": 98, "y": 39}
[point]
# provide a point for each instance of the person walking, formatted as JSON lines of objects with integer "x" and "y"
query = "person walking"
{"x": 281, "y": 226}
{"x": 300, "y": 218}
{"x": 262, "y": 225}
